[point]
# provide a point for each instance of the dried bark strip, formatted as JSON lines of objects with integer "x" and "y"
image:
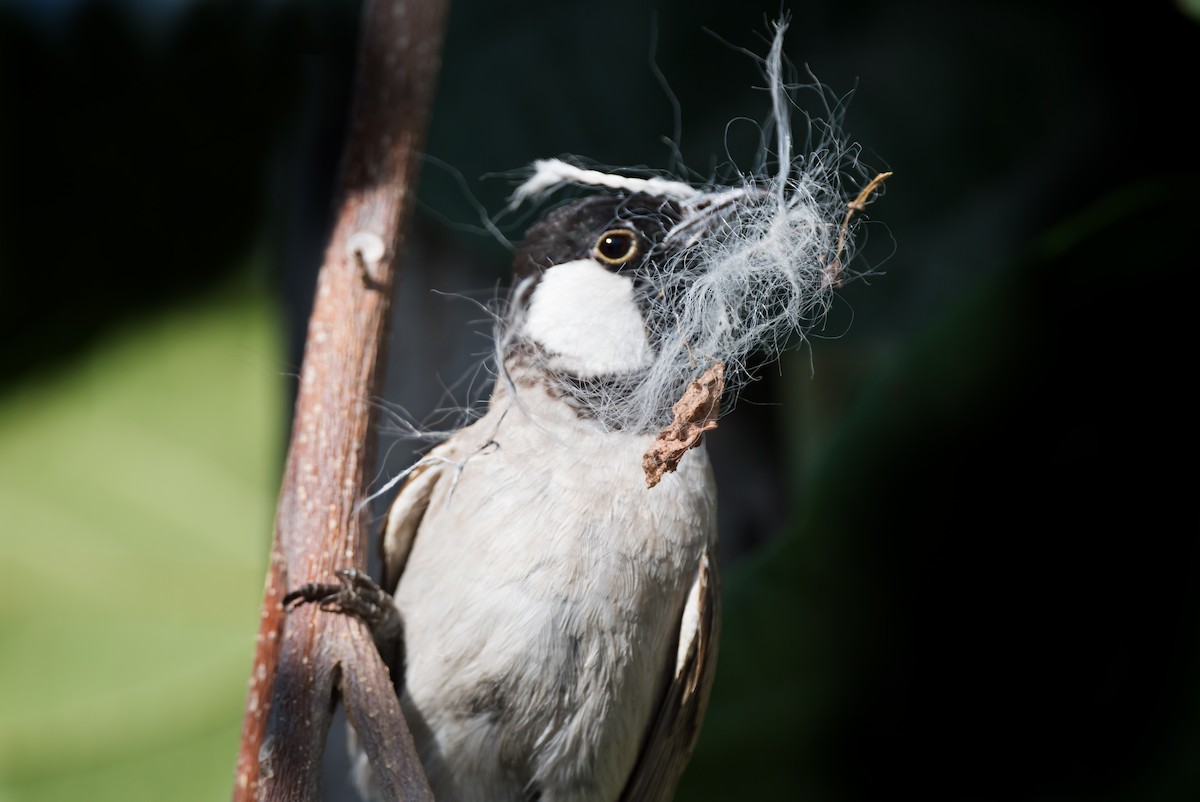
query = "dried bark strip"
{"x": 695, "y": 413}
{"x": 306, "y": 657}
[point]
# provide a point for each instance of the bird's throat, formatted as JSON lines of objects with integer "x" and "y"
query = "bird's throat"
{"x": 588, "y": 321}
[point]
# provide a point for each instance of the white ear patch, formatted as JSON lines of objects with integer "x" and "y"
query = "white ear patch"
{"x": 586, "y": 317}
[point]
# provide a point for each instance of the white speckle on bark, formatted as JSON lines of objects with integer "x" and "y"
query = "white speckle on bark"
{"x": 366, "y": 248}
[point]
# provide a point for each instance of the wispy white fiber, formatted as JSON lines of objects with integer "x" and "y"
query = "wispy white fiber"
{"x": 762, "y": 261}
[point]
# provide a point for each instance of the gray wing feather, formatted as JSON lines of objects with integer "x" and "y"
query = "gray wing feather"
{"x": 404, "y": 518}
{"x": 676, "y": 725}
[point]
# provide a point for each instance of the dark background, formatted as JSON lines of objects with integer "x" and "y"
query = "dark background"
{"x": 960, "y": 536}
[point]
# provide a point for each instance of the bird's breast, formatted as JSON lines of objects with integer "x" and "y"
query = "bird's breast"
{"x": 542, "y": 598}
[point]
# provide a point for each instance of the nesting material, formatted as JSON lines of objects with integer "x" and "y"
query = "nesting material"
{"x": 755, "y": 266}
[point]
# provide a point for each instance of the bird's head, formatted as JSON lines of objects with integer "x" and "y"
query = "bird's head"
{"x": 588, "y": 278}
{"x": 624, "y": 298}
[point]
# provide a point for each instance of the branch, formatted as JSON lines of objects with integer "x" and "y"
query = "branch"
{"x": 306, "y": 658}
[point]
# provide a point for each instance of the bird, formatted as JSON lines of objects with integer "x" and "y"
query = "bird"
{"x": 549, "y": 603}
{"x": 560, "y": 618}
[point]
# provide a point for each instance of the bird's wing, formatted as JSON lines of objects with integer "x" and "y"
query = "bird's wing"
{"x": 404, "y": 517}
{"x": 676, "y": 724}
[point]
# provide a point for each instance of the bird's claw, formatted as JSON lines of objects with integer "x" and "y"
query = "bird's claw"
{"x": 358, "y": 595}
{"x": 354, "y": 594}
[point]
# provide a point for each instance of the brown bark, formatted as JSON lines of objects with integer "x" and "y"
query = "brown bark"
{"x": 307, "y": 658}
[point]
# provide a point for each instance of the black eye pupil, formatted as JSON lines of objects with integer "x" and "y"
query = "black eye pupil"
{"x": 616, "y": 246}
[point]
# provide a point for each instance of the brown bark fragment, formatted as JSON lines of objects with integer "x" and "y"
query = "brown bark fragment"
{"x": 695, "y": 413}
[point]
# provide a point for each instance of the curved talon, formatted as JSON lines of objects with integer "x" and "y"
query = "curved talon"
{"x": 312, "y": 592}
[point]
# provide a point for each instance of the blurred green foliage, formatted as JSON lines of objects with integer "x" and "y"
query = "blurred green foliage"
{"x": 137, "y": 483}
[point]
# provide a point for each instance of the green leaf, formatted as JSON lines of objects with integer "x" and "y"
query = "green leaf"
{"x": 137, "y": 486}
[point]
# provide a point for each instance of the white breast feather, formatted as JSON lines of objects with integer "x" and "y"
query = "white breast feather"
{"x": 560, "y": 561}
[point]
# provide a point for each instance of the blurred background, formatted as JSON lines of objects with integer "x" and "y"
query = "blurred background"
{"x": 960, "y": 536}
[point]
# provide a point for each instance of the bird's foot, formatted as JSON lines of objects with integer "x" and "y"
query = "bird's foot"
{"x": 356, "y": 594}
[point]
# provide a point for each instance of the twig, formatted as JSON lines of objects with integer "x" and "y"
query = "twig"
{"x": 306, "y": 658}
{"x": 834, "y": 270}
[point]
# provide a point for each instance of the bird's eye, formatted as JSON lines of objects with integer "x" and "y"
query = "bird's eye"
{"x": 616, "y": 247}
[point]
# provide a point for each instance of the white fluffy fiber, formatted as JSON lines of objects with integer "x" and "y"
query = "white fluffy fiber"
{"x": 765, "y": 275}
